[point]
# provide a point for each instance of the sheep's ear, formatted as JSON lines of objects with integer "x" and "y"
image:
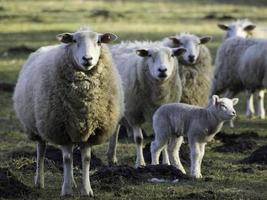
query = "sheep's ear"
{"x": 65, "y": 37}
{"x": 205, "y": 39}
{"x": 215, "y": 99}
{"x": 142, "y": 52}
{"x": 107, "y": 37}
{"x": 250, "y": 27}
{"x": 223, "y": 27}
{"x": 235, "y": 101}
{"x": 175, "y": 41}
{"x": 178, "y": 51}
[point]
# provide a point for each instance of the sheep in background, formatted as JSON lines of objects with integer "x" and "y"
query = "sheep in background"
{"x": 172, "y": 122}
{"x": 70, "y": 94}
{"x": 246, "y": 29}
{"x": 198, "y": 63}
{"x": 244, "y": 68}
{"x": 150, "y": 77}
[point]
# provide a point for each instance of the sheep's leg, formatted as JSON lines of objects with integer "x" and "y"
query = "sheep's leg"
{"x": 86, "y": 189}
{"x": 39, "y": 176}
{"x": 138, "y": 138}
{"x": 260, "y": 104}
{"x": 173, "y": 149}
{"x": 250, "y": 105}
{"x": 67, "y": 153}
{"x": 202, "y": 152}
{"x": 112, "y": 147}
{"x": 165, "y": 156}
{"x": 195, "y": 157}
{"x": 156, "y": 147}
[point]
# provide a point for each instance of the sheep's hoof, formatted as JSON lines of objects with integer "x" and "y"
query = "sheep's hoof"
{"x": 87, "y": 192}
{"x": 113, "y": 162}
{"x": 38, "y": 183}
{"x": 66, "y": 192}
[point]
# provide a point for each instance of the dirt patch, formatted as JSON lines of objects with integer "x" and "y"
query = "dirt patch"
{"x": 237, "y": 142}
{"x": 10, "y": 186}
{"x": 201, "y": 195}
{"x": 18, "y": 50}
{"x": 54, "y": 158}
{"x": 184, "y": 154}
{"x": 245, "y": 169}
{"x": 258, "y": 156}
{"x": 7, "y": 87}
{"x": 120, "y": 174}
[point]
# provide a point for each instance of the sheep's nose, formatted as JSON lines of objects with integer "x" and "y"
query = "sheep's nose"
{"x": 162, "y": 70}
{"x": 85, "y": 58}
{"x": 191, "y": 58}
{"x": 234, "y": 113}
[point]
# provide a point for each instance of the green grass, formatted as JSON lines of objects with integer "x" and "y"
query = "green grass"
{"x": 36, "y": 23}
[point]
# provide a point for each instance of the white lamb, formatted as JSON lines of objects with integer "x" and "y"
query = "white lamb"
{"x": 70, "y": 94}
{"x": 246, "y": 29}
{"x": 172, "y": 122}
{"x": 151, "y": 77}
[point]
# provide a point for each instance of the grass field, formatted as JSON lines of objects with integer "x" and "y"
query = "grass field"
{"x": 31, "y": 24}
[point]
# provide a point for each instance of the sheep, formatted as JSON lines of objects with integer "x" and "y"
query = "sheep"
{"x": 198, "y": 62}
{"x": 70, "y": 94}
{"x": 172, "y": 122}
{"x": 150, "y": 77}
{"x": 244, "y": 68}
{"x": 246, "y": 29}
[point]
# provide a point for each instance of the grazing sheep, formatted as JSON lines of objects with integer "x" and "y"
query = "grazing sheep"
{"x": 246, "y": 29}
{"x": 244, "y": 68}
{"x": 197, "y": 60}
{"x": 70, "y": 94}
{"x": 171, "y": 122}
{"x": 150, "y": 77}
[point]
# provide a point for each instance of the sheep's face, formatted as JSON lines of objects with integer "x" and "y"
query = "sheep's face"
{"x": 225, "y": 107}
{"x": 160, "y": 61}
{"x": 192, "y": 45}
{"x": 86, "y": 47}
{"x": 237, "y": 29}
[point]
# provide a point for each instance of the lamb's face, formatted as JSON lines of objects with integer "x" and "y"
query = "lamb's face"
{"x": 192, "y": 45}
{"x": 237, "y": 29}
{"x": 160, "y": 61}
{"x": 86, "y": 47}
{"x": 225, "y": 107}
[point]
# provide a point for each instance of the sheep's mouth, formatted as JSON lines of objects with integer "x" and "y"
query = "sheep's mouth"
{"x": 162, "y": 75}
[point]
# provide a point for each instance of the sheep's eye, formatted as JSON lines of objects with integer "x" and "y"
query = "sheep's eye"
{"x": 149, "y": 55}
{"x": 223, "y": 107}
{"x": 98, "y": 43}
{"x": 172, "y": 55}
{"x": 74, "y": 41}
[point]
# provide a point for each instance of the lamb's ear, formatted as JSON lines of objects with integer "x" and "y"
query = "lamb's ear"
{"x": 205, "y": 39}
{"x": 250, "y": 27}
{"x": 65, "y": 37}
{"x": 142, "y": 52}
{"x": 235, "y": 101}
{"x": 107, "y": 37}
{"x": 175, "y": 40}
{"x": 178, "y": 51}
{"x": 215, "y": 99}
{"x": 223, "y": 27}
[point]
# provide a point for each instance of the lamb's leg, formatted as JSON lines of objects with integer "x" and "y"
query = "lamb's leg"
{"x": 138, "y": 138}
{"x": 195, "y": 157}
{"x": 86, "y": 189}
{"x": 250, "y": 105}
{"x": 39, "y": 176}
{"x": 67, "y": 153}
{"x": 260, "y": 104}
{"x": 173, "y": 149}
{"x": 156, "y": 147}
{"x": 112, "y": 147}
{"x": 165, "y": 156}
{"x": 202, "y": 152}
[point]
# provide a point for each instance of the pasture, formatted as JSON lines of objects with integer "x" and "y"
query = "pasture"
{"x": 26, "y": 25}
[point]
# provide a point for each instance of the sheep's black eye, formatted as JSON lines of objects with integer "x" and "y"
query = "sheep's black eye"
{"x": 98, "y": 43}
{"x": 149, "y": 55}
{"x": 74, "y": 41}
{"x": 172, "y": 55}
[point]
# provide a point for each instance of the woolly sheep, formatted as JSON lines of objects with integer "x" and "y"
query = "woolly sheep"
{"x": 246, "y": 29}
{"x": 70, "y": 94}
{"x": 198, "y": 62}
{"x": 172, "y": 122}
{"x": 243, "y": 70}
{"x": 150, "y": 78}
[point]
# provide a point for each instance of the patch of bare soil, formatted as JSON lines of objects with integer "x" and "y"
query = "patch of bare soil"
{"x": 258, "y": 156}
{"x": 18, "y": 50}
{"x": 237, "y": 142}
{"x": 10, "y": 186}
